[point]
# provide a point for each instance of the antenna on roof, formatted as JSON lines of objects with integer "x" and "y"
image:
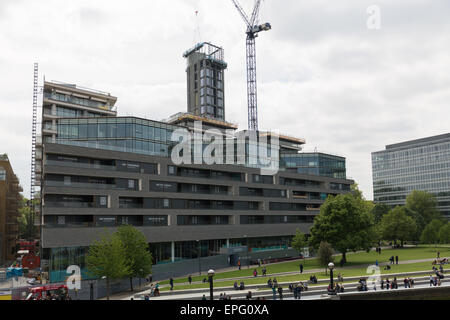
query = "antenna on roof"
{"x": 197, "y": 35}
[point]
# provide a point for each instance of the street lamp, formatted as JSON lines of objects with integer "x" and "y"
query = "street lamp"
{"x": 91, "y": 290}
{"x": 211, "y": 275}
{"x": 331, "y": 267}
{"x": 198, "y": 254}
{"x": 247, "y": 258}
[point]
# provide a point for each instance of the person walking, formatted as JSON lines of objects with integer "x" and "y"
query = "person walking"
{"x": 301, "y": 268}
{"x": 264, "y": 271}
{"x": 280, "y": 292}
{"x": 190, "y": 279}
{"x": 239, "y": 264}
{"x": 171, "y": 284}
{"x": 274, "y": 292}
{"x": 396, "y": 259}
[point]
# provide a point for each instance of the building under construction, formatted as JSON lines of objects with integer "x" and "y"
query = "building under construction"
{"x": 10, "y": 202}
{"x": 99, "y": 170}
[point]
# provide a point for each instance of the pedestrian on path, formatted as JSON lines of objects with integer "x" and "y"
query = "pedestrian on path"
{"x": 301, "y": 268}
{"x": 274, "y": 292}
{"x": 239, "y": 264}
{"x": 190, "y": 279}
{"x": 396, "y": 259}
{"x": 171, "y": 284}
{"x": 280, "y": 292}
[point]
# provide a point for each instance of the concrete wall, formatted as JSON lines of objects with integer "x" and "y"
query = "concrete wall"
{"x": 432, "y": 293}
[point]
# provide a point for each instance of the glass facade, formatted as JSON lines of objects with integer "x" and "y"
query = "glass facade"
{"x": 417, "y": 165}
{"x": 314, "y": 164}
{"x": 62, "y": 258}
{"x": 119, "y": 134}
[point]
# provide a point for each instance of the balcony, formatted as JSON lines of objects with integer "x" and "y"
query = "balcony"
{"x": 49, "y": 128}
{"x": 79, "y": 165}
{"x": 78, "y": 102}
{"x": 69, "y": 204}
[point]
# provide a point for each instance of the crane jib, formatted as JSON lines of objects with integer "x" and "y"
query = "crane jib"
{"x": 252, "y": 32}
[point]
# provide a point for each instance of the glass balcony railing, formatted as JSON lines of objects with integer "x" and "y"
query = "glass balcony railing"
{"x": 78, "y": 101}
{"x": 69, "y": 204}
{"x": 79, "y": 165}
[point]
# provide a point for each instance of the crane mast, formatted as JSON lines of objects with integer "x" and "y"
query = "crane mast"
{"x": 252, "y": 32}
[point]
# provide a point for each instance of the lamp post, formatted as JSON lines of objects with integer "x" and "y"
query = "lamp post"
{"x": 198, "y": 255}
{"x": 331, "y": 267}
{"x": 211, "y": 276}
{"x": 247, "y": 257}
{"x": 91, "y": 290}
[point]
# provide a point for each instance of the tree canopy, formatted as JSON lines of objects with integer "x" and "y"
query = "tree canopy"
{"x": 299, "y": 242}
{"x": 422, "y": 207}
{"x": 397, "y": 225}
{"x": 325, "y": 254}
{"x": 136, "y": 248}
{"x": 346, "y": 222}
{"x": 107, "y": 257}
{"x": 444, "y": 233}
{"x": 431, "y": 232}
{"x": 379, "y": 210}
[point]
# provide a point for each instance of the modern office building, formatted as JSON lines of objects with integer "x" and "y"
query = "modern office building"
{"x": 422, "y": 164}
{"x": 314, "y": 163}
{"x": 100, "y": 171}
{"x": 10, "y": 202}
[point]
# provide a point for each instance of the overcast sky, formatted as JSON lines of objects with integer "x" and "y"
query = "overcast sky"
{"x": 323, "y": 75}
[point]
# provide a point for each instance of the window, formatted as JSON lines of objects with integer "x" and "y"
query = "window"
{"x": 103, "y": 201}
{"x": 130, "y": 184}
{"x": 2, "y": 174}
{"x": 166, "y": 203}
{"x": 171, "y": 170}
{"x": 61, "y": 220}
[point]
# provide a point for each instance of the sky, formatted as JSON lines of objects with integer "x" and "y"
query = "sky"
{"x": 347, "y": 79}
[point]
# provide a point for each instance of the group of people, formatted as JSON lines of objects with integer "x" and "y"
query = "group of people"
{"x": 337, "y": 288}
{"x": 409, "y": 283}
{"x": 297, "y": 289}
{"x": 435, "y": 281}
{"x": 154, "y": 291}
{"x": 223, "y": 296}
{"x": 313, "y": 279}
{"x": 241, "y": 286}
{"x": 272, "y": 283}
{"x": 393, "y": 260}
{"x": 389, "y": 284}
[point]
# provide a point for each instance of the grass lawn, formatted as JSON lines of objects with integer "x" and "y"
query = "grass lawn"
{"x": 345, "y": 272}
{"x": 353, "y": 260}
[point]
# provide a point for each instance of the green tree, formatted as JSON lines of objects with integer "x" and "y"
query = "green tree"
{"x": 325, "y": 254}
{"x": 379, "y": 210}
{"x": 300, "y": 242}
{"x": 107, "y": 258}
{"x": 397, "y": 225}
{"x": 346, "y": 222}
{"x": 431, "y": 232}
{"x": 422, "y": 207}
{"x": 444, "y": 233}
{"x": 137, "y": 253}
{"x": 27, "y": 229}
